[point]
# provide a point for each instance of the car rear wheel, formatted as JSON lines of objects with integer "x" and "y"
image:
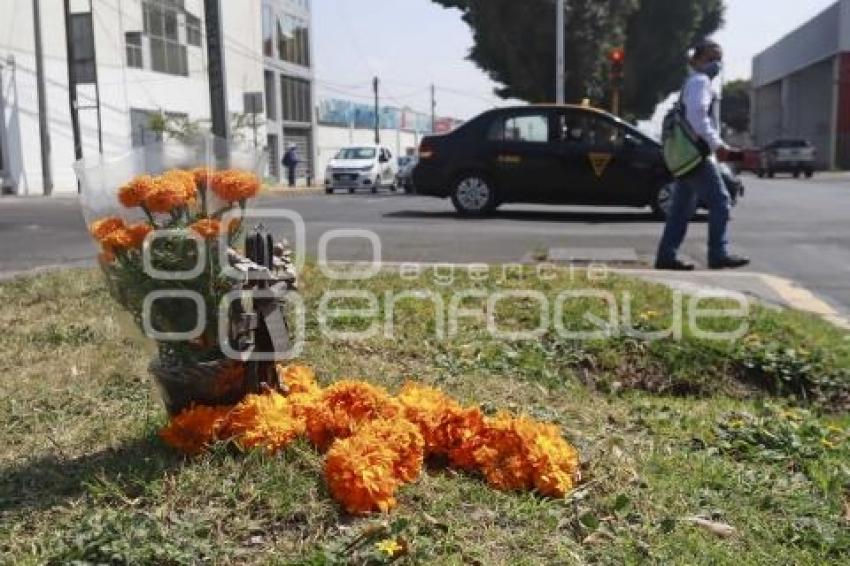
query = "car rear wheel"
{"x": 663, "y": 201}
{"x": 473, "y": 195}
{"x": 809, "y": 174}
{"x": 771, "y": 174}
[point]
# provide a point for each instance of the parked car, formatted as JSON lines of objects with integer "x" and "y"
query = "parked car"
{"x": 369, "y": 167}
{"x": 547, "y": 154}
{"x": 406, "y": 164}
{"x": 788, "y": 156}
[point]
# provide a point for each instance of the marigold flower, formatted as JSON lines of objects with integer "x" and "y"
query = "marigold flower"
{"x": 183, "y": 181}
{"x": 134, "y": 193}
{"x": 446, "y": 427}
{"x": 405, "y": 439}
{"x": 234, "y": 185}
{"x": 100, "y": 229}
{"x": 207, "y": 228}
{"x": 138, "y": 232}
{"x": 165, "y": 197}
{"x": 298, "y": 379}
{"x": 520, "y": 453}
{"x": 360, "y": 476}
{"x": 194, "y": 429}
{"x": 264, "y": 421}
{"x": 119, "y": 240}
{"x": 344, "y": 407}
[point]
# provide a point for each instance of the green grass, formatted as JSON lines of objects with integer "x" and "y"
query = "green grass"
{"x": 751, "y": 434}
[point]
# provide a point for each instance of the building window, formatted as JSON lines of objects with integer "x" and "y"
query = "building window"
{"x": 293, "y": 40}
{"x": 82, "y": 40}
{"x": 193, "y": 30}
{"x": 271, "y": 96}
{"x": 295, "y": 95}
{"x": 268, "y": 31}
{"x": 162, "y": 26}
{"x": 135, "y": 56}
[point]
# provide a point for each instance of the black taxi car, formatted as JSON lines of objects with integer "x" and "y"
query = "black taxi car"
{"x": 550, "y": 154}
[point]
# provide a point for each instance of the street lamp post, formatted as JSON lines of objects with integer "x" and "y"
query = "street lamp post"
{"x": 560, "y": 64}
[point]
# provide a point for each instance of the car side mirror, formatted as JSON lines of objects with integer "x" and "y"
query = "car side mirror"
{"x": 383, "y": 159}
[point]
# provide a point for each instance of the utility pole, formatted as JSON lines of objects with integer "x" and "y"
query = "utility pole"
{"x": 433, "y": 108}
{"x": 72, "y": 85}
{"x": 560, "y": 65}
{"x": 217, "y": 78}
{"x": 44, "y": 131}
{"x": 376, "y": 85}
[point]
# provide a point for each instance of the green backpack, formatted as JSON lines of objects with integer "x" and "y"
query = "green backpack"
{"x": 684, "y": 150}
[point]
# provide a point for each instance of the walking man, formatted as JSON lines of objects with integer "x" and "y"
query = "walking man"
{"x": 290, "y": 161}
{"x": 705, "y": 183}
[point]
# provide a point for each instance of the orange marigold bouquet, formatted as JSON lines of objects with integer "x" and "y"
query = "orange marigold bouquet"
{"x": 168, "y": 220}
{"x": 376, "y": 443}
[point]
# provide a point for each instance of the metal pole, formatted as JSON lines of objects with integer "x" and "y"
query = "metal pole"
{"x": 44, "y": 131}
{"x": 217, "y": 77}
{"x": 376, "y": 85}
{"x": 433, "y": 108}
{"x": 560, "y": 55}
{"x": 72, "y": 85}
{"x": 96, "y": 83}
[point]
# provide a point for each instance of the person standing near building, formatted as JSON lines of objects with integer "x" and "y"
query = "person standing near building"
{"x": 704, "y": 183}
{"x": 290, "y": 162}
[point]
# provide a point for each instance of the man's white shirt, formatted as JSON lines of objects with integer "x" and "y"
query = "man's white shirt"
{"x": 699, "y": 98}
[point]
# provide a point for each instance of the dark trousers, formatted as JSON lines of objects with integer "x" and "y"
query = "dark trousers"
{"x": 290, "y": 175}
{"x": 706, "y": 184}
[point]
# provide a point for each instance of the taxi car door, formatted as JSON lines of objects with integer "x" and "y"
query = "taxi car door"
{"x": 574, "y": 180}
{"x": 521, "y": 155}
{"x": 616, "y": 167}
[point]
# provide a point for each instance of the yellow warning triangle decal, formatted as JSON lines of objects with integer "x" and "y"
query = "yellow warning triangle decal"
{"x": 600, "y": 162}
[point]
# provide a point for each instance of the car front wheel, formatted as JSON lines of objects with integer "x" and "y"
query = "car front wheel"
{"x": 473, "y": 195}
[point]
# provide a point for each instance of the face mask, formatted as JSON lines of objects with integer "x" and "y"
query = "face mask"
{"x": 713, "y": 69}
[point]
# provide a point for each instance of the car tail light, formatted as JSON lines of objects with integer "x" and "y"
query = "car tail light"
{"x": 426, "y": 150}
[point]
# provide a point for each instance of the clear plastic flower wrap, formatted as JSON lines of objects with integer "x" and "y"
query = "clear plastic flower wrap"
{"x": 165, "y": 217}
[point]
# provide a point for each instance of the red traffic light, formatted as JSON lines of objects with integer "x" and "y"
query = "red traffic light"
{"x": 618, "y": 55}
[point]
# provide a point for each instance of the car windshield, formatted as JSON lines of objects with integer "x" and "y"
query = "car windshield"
{"x": 357, "y": 153}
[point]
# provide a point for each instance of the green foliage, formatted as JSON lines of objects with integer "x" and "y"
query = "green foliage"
{"x": 514, "y": 44}
{"x": 735, "y": 111}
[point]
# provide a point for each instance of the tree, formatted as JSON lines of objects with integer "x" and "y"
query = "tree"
{"x": 735, "y": 111}
{"x": 514, "y": 44}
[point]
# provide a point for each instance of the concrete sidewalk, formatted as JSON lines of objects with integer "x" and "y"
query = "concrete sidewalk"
{"x": 764, "y": 288}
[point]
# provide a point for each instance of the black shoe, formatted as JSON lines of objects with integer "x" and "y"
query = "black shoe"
{"x": 729, "y": 262}
{"x": 674, "y": 265}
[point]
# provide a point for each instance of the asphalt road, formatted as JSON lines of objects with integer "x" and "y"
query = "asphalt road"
{"x": 796, "y": 229}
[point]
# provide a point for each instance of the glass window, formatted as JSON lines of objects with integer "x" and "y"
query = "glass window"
{"x": 297, "y": 105}
{"x": 268, "y": 31}
{"x": 193, "y": 30}
{"x": 271, "y": 96}
{"x": 168, "y": 52}
{"x": 135, "y": 56}
{"x": 533, "y": 128}
{"x": 357, "y": 153}
{"x": 82, "y": 38}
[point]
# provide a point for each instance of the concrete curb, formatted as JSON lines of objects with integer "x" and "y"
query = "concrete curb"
{"x": 286, "y": 192}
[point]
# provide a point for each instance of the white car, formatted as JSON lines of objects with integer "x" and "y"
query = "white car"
{"x": 369, "y": 167}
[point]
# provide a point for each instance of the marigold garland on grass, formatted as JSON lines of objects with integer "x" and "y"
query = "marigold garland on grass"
{"x": 377, "y": 443}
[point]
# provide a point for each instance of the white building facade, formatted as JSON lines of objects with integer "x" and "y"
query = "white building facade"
{"x": 135, "y": 61}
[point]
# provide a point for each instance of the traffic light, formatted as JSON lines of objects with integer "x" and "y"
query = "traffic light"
{"x": 618, "y": 59}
